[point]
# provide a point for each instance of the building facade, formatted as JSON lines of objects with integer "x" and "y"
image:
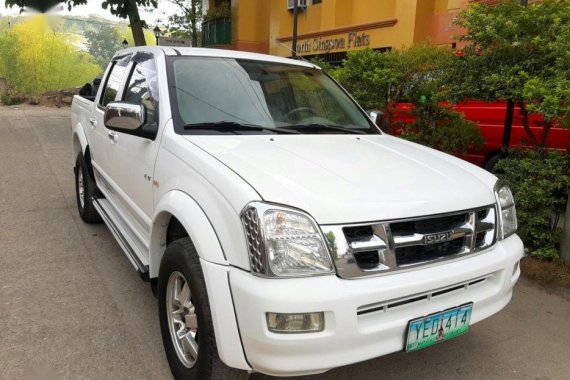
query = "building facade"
{"x": 331, "y": 28}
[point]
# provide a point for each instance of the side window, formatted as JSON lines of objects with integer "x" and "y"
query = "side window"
{"x": 114, "y": 81}
{"x": 143, "y": 88}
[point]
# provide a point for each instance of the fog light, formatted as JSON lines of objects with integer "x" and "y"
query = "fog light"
{"x": 295, "y": 323}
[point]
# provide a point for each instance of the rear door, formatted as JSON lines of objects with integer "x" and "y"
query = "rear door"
{"x": 99, "y": 136}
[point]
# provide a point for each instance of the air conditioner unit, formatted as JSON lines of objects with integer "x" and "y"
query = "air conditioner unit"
{"x": 302, "y": 4}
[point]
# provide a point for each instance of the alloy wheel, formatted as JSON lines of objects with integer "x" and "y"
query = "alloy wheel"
{"x": 182, "y": 320}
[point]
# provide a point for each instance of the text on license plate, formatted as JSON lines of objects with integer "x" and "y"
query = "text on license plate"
{"x": 426, "y": 331}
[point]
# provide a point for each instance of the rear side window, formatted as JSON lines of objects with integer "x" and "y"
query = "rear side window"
{"x": 114, "y": 81}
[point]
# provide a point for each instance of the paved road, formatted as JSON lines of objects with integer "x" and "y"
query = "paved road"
{"x": 72, "y": 307}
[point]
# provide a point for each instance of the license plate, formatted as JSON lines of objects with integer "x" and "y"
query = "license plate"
{"x": 438, "y": 327}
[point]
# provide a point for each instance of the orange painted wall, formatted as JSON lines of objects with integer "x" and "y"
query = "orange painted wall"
{"x": 264, "y": 25}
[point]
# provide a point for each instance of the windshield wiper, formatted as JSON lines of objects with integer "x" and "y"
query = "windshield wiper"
{"x": 230, "y": 126}
{"x": 324, "y": 127}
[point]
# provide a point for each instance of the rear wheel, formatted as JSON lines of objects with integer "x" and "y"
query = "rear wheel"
{"x": 185, "y": 317}
{"x": 85, "y": 190}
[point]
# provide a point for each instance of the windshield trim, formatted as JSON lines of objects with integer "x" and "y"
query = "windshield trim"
{"x": 179, "y": 125}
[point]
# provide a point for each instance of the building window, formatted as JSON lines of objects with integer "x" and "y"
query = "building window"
{"x": 336, "y": 59}
{"x": 317, "y": 2}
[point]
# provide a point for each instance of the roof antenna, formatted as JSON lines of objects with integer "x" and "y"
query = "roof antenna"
{"x": 295, "y": 56}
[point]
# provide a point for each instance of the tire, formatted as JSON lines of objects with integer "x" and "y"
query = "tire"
{"x": 85, "y": 194}
{"x": 181, "y": 259}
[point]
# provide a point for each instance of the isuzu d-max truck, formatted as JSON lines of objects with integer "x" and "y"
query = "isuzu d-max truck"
{"x": 280, "y": 229}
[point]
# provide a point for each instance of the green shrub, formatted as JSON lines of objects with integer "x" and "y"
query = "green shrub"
{"x": 414, "y": 75}
{"x": 440, "y": 127}
{"x": 322, "y": 64}
{"x": 539, "y": 181}
{"x": 10, "y": 100}
{"x": 222, "y": 11}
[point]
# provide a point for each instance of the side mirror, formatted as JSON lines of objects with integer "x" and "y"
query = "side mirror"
{"x": 97, "y": 82}
{"x": 124, "y": 117}
{"x": 375, "y": 115}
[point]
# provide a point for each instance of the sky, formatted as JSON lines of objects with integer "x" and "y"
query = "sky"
{"x": 94, "y": 7}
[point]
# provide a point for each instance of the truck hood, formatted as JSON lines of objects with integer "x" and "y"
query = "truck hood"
{"x": 350, "y": 179}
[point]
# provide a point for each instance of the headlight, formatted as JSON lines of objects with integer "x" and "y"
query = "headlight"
{"x": 508, "y": 214}
{"x": 283, "y": 242}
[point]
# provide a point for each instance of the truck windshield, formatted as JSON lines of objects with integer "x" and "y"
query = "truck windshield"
{"x": 224, "y": 95}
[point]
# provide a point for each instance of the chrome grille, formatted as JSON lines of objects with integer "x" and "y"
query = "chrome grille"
{"x": 254, "y": 239}
{"x": 410, "y": 255}
{"x": 377, "y": 248}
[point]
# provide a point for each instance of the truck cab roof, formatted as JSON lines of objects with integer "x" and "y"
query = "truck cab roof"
{"x": 208, "y": 52}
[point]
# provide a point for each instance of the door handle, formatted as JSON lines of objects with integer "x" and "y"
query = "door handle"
{"x": 112, "y": 136}
{"x": 93, "y": 122}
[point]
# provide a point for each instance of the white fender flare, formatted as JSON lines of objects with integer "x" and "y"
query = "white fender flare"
{"x": 180, "y": 205}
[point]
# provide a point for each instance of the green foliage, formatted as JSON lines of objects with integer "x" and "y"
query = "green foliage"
{"x": 103, "y": 43}
{"x": 120, "y": 8}
{"x": 126, "y": 34}
{"x": 130, "y": 9}
{"x": 105, "y": 40}
{"x": 416, "y": 75}
{"x": 186, "y": 24}
{"x": 10, "y": 100}
{"x": 127, "y": 8}
{"x": 318, "y": 61}
{"x": 35, "y": 59}
{"x": 408, "y": 74}
{"x": 224, "y": 10}
{"x": 360, "y": 75}
{"x": 539, "y": 181}
{"x": 440, "y": 127}
{"x": 518, "y": 53}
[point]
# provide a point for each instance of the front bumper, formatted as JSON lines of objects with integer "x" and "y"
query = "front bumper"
{"x": 350, "y": 337}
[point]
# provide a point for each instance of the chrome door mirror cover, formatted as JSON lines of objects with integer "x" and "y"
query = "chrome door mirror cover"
{"x": 124, "y": 117}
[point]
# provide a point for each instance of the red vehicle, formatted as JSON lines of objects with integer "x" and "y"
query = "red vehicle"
{"x": 490, "y": 117}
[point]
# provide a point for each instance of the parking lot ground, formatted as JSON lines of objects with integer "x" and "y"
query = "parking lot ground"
{"x": 72, "y": 307}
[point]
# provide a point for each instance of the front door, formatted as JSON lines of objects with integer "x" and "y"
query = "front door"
{"x": 132, "y": 158}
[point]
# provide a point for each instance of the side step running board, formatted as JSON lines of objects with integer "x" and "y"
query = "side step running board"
{"x": 123, "y": 242}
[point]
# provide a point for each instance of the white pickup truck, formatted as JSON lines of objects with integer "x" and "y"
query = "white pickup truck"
{"x": 280, "y": 229}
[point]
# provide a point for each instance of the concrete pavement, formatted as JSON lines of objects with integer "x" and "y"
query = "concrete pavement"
{"x": 72, "y": 307}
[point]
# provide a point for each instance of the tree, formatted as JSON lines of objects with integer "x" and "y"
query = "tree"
{"x": 187, "y": 24}
{"x": 519, "y": 54}
{"x": 120, "y": 8}
{"x": 35, "y": 59}
{"x": 125, "y": 33}
{"x": 103, "y": 43}
{"x": 129, "y": 9}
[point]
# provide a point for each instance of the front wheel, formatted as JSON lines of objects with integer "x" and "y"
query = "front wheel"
{"x": 186, "y": 319}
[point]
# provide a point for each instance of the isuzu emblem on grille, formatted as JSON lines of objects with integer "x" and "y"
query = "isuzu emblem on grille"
{"x": 439, "y": 237}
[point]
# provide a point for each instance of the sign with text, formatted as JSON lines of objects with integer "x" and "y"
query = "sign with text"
{"x": 175, "y": 42}
{"x": 325, "y": 45}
